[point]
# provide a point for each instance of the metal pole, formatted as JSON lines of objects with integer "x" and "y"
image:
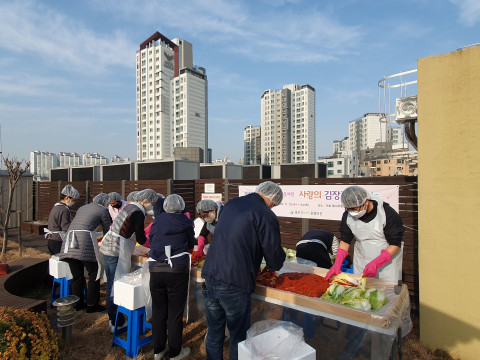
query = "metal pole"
{"x": 19, "y": 224}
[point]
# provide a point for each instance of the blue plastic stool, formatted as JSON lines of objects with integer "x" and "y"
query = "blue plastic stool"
{"x": 137, "y": 326}
{"x": 64, "y": 286}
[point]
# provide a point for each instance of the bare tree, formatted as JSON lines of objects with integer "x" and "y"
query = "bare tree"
{"x": 15, "y": 171}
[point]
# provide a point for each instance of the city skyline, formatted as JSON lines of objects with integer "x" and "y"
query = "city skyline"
{"x": 68, "y": 69}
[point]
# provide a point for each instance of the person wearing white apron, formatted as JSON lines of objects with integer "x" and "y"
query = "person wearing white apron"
{"x": 378, "y": 231}
{"x": 209, "y": 212}
{"x": 171, "y": 242}
{"x": 80, "y": 250}
{"x": 59, "y": 219}
{"x": 118, "y": 244}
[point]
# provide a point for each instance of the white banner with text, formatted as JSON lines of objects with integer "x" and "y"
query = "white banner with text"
{"x": 322, "y": 201}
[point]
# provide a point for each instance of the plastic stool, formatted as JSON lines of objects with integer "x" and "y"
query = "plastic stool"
{"x": 137, "y": 326}
{"x": 64, "y": 286}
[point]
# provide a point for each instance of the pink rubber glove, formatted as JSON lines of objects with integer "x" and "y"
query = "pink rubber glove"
{"x": 337, "y": 267}
{"x": 200, "y": 244}
{"x": 371, "y": 269}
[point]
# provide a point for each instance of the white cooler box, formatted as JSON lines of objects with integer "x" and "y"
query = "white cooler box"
{"x": 273, "y": 337}
{"x": 59, "y": 269}
{"x": 128, "y": 292}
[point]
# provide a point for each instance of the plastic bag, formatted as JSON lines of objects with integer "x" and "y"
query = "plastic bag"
{"x": 303, "y": 261}
{"x": 274, "y": 340}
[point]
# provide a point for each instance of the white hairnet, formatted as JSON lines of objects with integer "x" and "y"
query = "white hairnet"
{"x": 70, "y": 191}
{"x": 131, "y": 196}
{"x": 173, "y": 204}
{"x": 206, "y": 205}
{"x": 102, "y": 199}
{"x": 353, "y": 196}
{"x": 115, "y": 196}
{"x": 148, "y": 195}
{"x": 272, "y": 191}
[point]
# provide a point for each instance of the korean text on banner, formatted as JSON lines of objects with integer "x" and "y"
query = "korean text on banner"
{"x": 322, "y": 201}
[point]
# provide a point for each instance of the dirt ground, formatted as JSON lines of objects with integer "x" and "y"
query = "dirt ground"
{"x": 92, "y": 339}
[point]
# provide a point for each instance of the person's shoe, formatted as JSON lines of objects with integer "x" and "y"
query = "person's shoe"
{"x": 161, "y": 355}
{"x": 184, "y": 354}
{"x": 119, "y": 327}
{"x": 95, "y": 308}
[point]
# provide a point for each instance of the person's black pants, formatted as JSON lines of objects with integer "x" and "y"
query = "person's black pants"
{"x": 78, "y": 281}
{"x": 54, "y": 246}
{"x": 169, "y": 295}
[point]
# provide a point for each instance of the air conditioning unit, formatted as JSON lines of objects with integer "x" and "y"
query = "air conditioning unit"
{"x": 406, "y": 109}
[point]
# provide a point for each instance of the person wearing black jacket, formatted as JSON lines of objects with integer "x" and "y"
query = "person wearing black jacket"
{"x": 247, "y": 231}
{"x": 171, "y": 242}
{"x": 317, "y": 245}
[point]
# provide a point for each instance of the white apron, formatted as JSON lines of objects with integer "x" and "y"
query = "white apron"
{"x": 61, "y": 233}
{"x": 370, "y": 241}
{"x": 168, "y": 252}
{"x": 70, "y": 242}
{"x": 126, "y": 247}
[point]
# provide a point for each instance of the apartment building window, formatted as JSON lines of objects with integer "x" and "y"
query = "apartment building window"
{"x": 329, "y": 172}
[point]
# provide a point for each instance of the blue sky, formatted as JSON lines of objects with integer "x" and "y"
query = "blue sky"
{"x": 67, "y": 68}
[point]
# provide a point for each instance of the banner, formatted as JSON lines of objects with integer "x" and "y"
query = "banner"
{"x": 322, "y": 201}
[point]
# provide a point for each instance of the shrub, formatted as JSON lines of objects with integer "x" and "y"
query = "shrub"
{"x": 26, "y": 335}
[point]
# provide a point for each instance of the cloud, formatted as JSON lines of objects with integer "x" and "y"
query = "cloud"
{"x": 31, "y": 28}
{"x": 252, "y": 30}
{"x": 469, "y": 11}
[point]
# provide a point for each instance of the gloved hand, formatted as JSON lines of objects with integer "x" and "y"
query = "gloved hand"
{"x": 371, "y": 269}
{"x": 200, "y": 244}
{"x": 337, "y": 267}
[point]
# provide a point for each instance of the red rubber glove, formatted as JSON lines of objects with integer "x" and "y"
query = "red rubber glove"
{"x": 337, "y": 267}
{"x": 371, "y": 269}
{"x": 200, "y": 244}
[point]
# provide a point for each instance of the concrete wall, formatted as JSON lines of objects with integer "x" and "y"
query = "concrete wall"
{"x": 449, "y": 201}
{"x": 22, "y": 197}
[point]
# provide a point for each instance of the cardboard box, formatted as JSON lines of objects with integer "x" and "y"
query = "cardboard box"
{"x": 128, "y": 292}
{"x": 273, "y": 338}
{"x": 59, "y": 269}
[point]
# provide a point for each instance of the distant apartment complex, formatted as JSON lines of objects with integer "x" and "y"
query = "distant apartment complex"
{"x": 252, "y": 140}
{"x": 41, "y": 162}
{"x": 288, "y": 125}
{"x": 172, "y": 96}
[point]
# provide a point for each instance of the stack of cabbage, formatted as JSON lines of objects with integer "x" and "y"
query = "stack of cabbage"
{"x": 348, "y": 291}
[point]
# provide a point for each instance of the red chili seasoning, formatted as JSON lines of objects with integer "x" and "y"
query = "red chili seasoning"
{"x": 299, "y": 283}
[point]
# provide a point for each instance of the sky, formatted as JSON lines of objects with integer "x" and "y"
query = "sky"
{"x": 67, "y": 68}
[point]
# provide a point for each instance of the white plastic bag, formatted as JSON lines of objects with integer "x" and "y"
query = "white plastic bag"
{"x": 274, "y": 340}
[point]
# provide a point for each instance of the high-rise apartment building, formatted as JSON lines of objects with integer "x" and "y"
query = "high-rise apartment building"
{"x": 171, "y": 98}
{"x": 252, "y": 140}
{"x": 288, "y": 125}
{"x": 365, "y": 132}
{"x": 93, "y": 159}
{"x": 66, "y": 159}
{"x": 41, "y": 162}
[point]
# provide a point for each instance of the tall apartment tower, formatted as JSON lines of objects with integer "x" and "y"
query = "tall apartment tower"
{"x": 365, "y": 132}
{"x": 41, "y": 162}
{"x": 66, "y": 159}
{"x": 171, "y": 98}
{"x": 252, "y": 140}
{"x": 288, "y": 125}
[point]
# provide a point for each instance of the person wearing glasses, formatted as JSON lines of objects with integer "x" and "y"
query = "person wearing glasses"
{"x": 378, "y": 231}
{"x": 209, "y": 212}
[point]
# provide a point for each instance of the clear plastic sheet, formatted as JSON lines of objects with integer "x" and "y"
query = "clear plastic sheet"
{"x": 274, "y": 340}
{"x": 140, "y": 277}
